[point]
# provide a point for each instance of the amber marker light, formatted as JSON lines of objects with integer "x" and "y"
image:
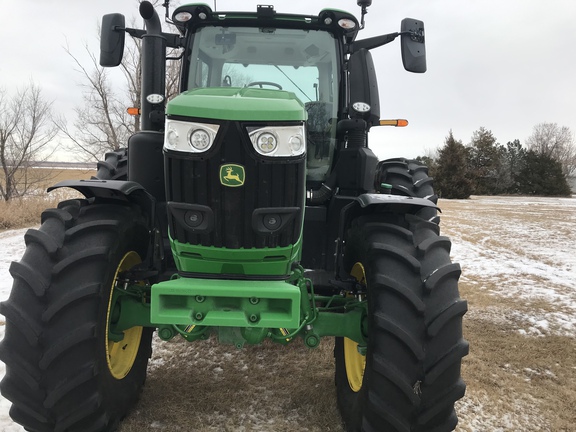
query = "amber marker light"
{"x": 396, "y": 123}
{"x": 133, "y": 111}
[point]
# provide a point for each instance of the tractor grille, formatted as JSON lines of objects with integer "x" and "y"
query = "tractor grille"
{"x": 269, "y": 182}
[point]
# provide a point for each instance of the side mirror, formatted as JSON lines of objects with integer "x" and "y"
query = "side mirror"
{"x": 413, "y": 45}
{"x": 112, "y": 40}
{"x": 364, "y": 99}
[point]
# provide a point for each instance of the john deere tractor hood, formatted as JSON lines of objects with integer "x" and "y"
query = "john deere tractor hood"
{"x": 238, "y": 104}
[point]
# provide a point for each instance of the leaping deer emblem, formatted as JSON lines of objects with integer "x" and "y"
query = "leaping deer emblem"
{"x": 234, "y": 175}
{"x": 229, "y": 176}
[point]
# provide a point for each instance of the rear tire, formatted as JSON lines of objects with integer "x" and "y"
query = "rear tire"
{"x": 409, "y": 178}
{"x": 114, "y": 166}
{"x": 411, "y": 373}
{"x": 62, "y": 372}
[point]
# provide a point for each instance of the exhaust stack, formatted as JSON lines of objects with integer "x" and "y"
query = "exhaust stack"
{"x": 153, "y": 98}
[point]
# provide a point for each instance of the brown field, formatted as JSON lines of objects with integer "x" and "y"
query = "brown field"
{"x": 517, "y": 380}
{"x": 25, "y": 211}
{"x": 519, "y": 277}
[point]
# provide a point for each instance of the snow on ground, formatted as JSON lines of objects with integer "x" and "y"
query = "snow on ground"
{"x": 528, "y": 255}
{"x": 11, "y": 247}
{"x": 524, "y": 250}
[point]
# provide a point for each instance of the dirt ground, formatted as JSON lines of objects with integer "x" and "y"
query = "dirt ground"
{"x": 521, "y": 371}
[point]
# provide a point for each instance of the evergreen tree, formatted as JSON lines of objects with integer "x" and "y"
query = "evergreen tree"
{"x": 542, "y": 175}
{"x": 485, "y": 159}
{"x": 451, "y": 170}
{"x": 430, "y": 162}
{"x": 514, "y": 161}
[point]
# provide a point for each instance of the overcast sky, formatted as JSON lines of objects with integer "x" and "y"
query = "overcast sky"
{"x": 506, "y": 65}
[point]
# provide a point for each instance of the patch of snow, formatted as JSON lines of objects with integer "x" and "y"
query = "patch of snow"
{"x": 12, "y": 247}
{"x": 477, "y": 413}
{"x": 532, "y": 259}
{"x": 528, "y": 255}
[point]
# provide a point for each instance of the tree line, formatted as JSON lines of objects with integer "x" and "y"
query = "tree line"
{"x": 101, "y": 124}
{"x": 485, "y": 167}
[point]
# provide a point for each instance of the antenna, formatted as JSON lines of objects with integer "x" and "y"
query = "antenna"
{"x": 364, "y": 5}
{"x": 166, "y": 5}
{"x": 215, "y": 5}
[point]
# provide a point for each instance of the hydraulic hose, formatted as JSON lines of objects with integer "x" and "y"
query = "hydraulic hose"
{"x": 324, "y": 192}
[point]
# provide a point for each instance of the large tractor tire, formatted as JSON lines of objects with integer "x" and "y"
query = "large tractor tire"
{"x": 408, "y": 376}
{"x": 409, "y": 178}
{"x": 63, "y": 373}
{"x": 114, "y": 166}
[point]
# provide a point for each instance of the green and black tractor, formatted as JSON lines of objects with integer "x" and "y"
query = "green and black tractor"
{"x": 249, "y": 207}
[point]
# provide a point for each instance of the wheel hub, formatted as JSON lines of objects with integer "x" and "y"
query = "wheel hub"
{"x": 354, "y": 360}
{"x": 121, "y": 351}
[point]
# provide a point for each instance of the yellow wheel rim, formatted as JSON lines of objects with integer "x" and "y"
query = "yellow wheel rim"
{"x": 121, "y": 355}
{"x": 354, "y": 361}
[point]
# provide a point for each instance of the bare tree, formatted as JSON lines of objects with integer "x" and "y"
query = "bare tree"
{"x": 102, "y": 122}
{"x": 131, "y": 67}
{"x": 25, "y": 137}
{"x": 555, "y": 142}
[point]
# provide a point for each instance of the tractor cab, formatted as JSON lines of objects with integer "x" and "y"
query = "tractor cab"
{"x": 266, "y": 60}
{"x": 273, "y": 63}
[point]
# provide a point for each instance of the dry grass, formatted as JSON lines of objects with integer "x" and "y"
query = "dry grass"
{"x": 515, "y": 382}
{"x": 25, "y": 212}
{"x": 210, "y": 387}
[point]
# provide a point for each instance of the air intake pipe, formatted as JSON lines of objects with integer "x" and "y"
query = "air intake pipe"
{"x": 153, "y": 70}
{"x": 324, "y": 192}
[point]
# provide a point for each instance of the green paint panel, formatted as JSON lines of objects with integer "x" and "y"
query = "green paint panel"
{"x": 228, "y": 303}
{"x": 240, "y": 104}
{"x": 256, "y": 262}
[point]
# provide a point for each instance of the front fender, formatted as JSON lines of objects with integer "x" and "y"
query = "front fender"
{"x": 395, "y": 202}
{"x": 366, "y": 203}
{"x": 115, "y": 189}
{"x": 127, "y": 191}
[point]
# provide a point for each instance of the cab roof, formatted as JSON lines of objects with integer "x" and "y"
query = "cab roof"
{"x": 191, "y": 16}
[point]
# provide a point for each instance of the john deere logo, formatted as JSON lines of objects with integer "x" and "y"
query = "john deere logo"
{"x": 232, "y": 175}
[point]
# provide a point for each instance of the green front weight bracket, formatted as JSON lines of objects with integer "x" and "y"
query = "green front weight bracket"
{"x": 226, "y": 303}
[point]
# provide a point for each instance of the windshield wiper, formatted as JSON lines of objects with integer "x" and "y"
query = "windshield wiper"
{"x": 295, "y": 85}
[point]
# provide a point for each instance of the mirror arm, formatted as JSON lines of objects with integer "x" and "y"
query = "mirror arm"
{"x": 416, "y": 36}
{"x": 137, "y": 33}
{"x": 377, "y": 41}
{"x": 372, "y": 42}
{"x": 172, "y": 40}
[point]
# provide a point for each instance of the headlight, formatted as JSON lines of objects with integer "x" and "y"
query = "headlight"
{"x": 200, "y": 139}
{"x": 278, "y": 141}
{"x": 189, "y": 137}
{"x": 266, "y": 143}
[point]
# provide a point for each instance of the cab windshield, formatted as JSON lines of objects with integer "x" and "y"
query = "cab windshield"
{"x": 300, "y": 61}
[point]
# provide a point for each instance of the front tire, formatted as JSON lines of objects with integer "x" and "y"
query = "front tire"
{"x": 63, "y": 370}
{"x": 410, "y": 374}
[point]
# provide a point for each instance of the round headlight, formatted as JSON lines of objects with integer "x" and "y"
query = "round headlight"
{"x": 200, "y": 139}
{"x": 267, "y": 142}
{"x": 172, "y": 138}
{"x": 296, "y": 143}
